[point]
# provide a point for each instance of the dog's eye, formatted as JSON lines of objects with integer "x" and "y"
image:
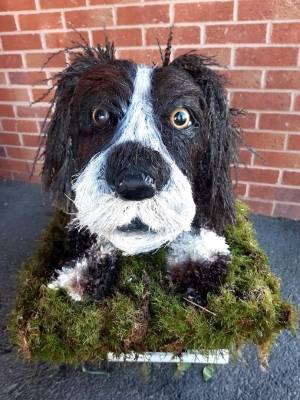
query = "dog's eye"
{"x": 101, "y": 117}
{"x": 180, "y": 118}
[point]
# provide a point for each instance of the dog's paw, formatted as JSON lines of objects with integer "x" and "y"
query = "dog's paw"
{"x": 198, "y": 264}
{"x": 94, "y": 273}
{"x": 205, "y": 246}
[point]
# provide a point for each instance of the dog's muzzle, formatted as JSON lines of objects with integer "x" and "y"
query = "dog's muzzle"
{"x": 135, "y": 172}
{"x": 134, "y": 185}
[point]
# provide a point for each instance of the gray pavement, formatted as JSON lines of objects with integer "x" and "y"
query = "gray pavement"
{"x": 24, "y": 213}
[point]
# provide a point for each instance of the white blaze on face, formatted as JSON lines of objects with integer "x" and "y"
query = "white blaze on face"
{"x": 167, "y": 214}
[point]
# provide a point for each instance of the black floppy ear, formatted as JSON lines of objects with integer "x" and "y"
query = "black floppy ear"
{"x": 59, "y": 164}
{"x": 220, "y": 143}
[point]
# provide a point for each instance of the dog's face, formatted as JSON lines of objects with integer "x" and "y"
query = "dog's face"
{"x": 145, "y": 151}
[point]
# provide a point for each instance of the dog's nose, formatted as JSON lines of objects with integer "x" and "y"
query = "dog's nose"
{"x": 134, "y": 185}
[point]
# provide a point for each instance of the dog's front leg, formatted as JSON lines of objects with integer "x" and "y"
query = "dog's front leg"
{"x": 90, "y": 266}
{"x": 198, "y": 264}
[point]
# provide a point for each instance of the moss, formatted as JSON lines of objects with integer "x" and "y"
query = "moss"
{"x": 144, "y": 313}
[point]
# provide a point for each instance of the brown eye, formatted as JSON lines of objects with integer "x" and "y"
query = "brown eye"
{"x": 101, "y": 117}
{"x": 180, "y": 118}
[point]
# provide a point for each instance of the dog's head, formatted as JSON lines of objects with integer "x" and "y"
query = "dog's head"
{"x": 142, "y": 153}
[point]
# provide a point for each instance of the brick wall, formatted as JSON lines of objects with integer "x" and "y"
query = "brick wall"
{"x": 257, "y": 40}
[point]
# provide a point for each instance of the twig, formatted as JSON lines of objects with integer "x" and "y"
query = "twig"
{"x": 197, "y": 305}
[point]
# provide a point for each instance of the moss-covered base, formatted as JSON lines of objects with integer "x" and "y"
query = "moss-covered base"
{"x": 144, "y": 314}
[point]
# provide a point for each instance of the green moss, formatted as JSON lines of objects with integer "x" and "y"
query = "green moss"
{"x": 144, "y": 314}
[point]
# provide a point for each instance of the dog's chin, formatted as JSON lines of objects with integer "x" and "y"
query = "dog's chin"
{"x": 135, "y": 226}
{"x": 140, "y": 241}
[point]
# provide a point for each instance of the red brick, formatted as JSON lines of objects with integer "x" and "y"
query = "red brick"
{"x": 35, "y": 22}
{"x": 247, "y": 121}
{"x": 181, "y": 35}
{"x": 46, "y": 4}
{"x": 268, "y": 10}
{"x": 14, "y": 95}
{"x": 236, "y": 33}
{"x": 5, "y": 174}
{"x": 243, "y": 78}
{"x": 240, "y": 189}
{"x": 262, "y": 140}
{"x": 53, "y": 77}
{"x": 283, "y": 80}
{"x": 27, "y": 41}
{"x": 36, "y": 60}
{"x": 37, "y": 168}
{"x": 88, "y": 18}
{"x": 6, "y": 110}
{"x": 31, "y": 112}
{"x": 221, "y": 54}
{"x": 14, "y": 165}
{"x": 245, "y": 157}
{"x": 39, "y": 93}
{"x": 26, "y": 78}
{"x": 21, "y": 153}
{"x": 43, "y": 126}
{"x": 291, "y": 178}
{"x": 10, "y": 139}
{"x": 2, "y": 78}
{"x": 10, "y": 61}
{"x": 139, "y": 15}
{"x": 117, "y": 2}
{"x": 291, "y": 211}
{"x": 267, "y": 56}
{"x": 120, "y": 37}
{"x": 31, "y": 140}
{"x": 286, "y": 33}
{"x": 7, "y": 23}
{"x": 279, "y": 159}
{"x": 297, "y": 104}
{"x": 204, "y": 11}
{"x": 13, "y": 5}
{"x": 19, "y": 125}
{"x": 141, "y": 56}
{"x": 261, "y": 101}
{"x": 280, "y": 122}
{"x": 263, "y": 192}
{"x": 62, "y": 40}
{"x": 23, "y": 177}
{"x": 294, "y": 142}
{"x": 259, "y": 207}
{"x": 258, "y": 175}
{"x": 275, "y": 193}
{"x": 2, "y": 151}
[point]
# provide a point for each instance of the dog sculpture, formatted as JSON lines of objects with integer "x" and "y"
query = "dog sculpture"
{"x": 141, "y": 156}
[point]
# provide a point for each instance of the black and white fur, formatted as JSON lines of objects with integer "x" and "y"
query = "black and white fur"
{"x": 185, "y": 172}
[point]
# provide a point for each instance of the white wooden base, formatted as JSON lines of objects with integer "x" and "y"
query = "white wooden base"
{"x": 212, "y": 357}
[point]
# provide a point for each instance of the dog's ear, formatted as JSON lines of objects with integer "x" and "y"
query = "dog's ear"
{"x": 220, "y": 143}
{"x": 59, "y": 164}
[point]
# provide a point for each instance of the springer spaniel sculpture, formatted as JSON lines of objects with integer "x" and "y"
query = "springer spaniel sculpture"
{"x": 140, "y": 156}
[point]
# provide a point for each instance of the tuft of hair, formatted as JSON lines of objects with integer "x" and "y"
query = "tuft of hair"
{"x": 166, "y": 59}
{"x": 59, "y": 163}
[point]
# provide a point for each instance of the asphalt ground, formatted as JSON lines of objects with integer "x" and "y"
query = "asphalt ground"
{"x": 23, "y": 215}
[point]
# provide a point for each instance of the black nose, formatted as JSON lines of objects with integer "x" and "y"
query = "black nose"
{"x": 134, "y": 185}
